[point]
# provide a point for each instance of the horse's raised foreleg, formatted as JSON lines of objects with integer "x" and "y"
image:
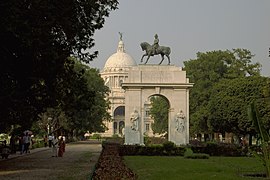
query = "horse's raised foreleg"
{"x": 161, "y": 59}
{"x": 143, "y": 57}
{"x": 169, "y": 61}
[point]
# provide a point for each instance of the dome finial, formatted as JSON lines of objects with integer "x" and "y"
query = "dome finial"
{"x": 121, "y": 35}
{"x": 121, "y": 43}
{"x": 119, "y": 60}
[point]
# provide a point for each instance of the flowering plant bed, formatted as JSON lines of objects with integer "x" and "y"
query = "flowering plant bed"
{"x": 111, "y": 165}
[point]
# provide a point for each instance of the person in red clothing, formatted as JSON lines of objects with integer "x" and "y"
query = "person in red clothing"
{"x": 61, "y": 145}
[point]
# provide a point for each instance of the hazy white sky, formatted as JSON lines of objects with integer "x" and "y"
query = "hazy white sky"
{"x": 187, "y": 27}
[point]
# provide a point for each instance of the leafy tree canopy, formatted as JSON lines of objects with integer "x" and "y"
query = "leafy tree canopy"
{"x": 229, "y": 103}
{"x": 37, "y": 37}
{"x": 206, "y": 71}
{"x": 83, "y": 106}
{"x": 91, "y": 105}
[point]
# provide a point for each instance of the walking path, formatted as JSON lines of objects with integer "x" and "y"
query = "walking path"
{"x": 77, "y": 163}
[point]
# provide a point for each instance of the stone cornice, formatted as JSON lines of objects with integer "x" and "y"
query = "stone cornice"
{"x": 165, "y": 85}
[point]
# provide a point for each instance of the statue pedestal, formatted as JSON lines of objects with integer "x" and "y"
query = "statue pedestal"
{"x": 132, "y": 137}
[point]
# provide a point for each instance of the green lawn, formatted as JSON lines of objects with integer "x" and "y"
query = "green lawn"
{"x": 161, "y": 167}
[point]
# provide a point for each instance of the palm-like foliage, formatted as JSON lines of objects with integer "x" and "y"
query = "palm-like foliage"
{"x": 264, "y": 136}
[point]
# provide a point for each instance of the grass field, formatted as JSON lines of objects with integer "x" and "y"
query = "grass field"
{"x": 175, "y": 168}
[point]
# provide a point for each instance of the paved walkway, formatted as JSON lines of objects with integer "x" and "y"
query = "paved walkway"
{"x": 77, "y": 163}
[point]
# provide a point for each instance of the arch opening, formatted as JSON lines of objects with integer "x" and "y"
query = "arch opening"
{"x": 156, "y": 116}
{"x": 119, "y": 120}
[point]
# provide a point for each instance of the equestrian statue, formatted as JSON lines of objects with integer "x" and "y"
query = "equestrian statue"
{"x": 155, "y": 49}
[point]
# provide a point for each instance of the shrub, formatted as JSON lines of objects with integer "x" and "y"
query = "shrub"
{"x": 190, "y": 155}
{"x": 179, "y": 151}
{"x": 96, "y": 136}
{"x": 158, "y": 150}
{"x": 147, "y": 140}
{"x": 188, "y": 152}
{"x": 219, "y": 149}
{"x": 115, "y": 136}
{"x": 152, "y": 150}
{"x": 196, "y": 143}
{"x": 128, "y": 150}
{"x": 153, "y": 140}
{"x": 169, "y": 147}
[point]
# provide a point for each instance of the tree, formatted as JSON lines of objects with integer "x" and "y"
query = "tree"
{"x": 229, "y": 102}
{"x": 54, "y": 120}
{"x": 207, "y": 70}
{"x": 37, "y": 37}
{"x": 90, "y": 105}
{"x": 159, "y": 111}
{"x": 83, "y": 106}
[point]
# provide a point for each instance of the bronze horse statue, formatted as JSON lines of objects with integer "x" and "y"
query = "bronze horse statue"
{"x": 162, "y": 50}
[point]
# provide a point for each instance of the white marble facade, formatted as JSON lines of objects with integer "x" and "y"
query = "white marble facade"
{"x": 132, "y": 85}
{"x": 114, "y": 73}
{"x": 167, "y": 81}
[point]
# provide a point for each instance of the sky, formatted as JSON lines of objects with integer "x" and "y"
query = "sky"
{"x": 187, "y": 27}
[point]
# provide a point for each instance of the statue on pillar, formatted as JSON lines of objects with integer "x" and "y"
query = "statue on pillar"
{"x": 180, "y": 122}
{"x": 155, "y": 49}
{"x": 134, "y": 119}
{"x": 155, "y": 45}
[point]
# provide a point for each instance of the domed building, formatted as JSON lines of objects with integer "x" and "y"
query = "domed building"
{"x": 114, "y": 73}
{"x": 130, "y": 96}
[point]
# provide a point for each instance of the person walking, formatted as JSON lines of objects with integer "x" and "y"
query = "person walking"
{"x": 64, "y": 139}
{"x": 61, "y": 146}
{"x": 26, "y": 142}
{"x": 21, "y": 145}
{"x": 12, "y": 143}
{"x": 50, "y": 140}
{"x": 54, "y": 146}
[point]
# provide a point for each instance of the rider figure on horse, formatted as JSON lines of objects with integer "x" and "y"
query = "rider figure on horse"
{"x": 155, "y": 45}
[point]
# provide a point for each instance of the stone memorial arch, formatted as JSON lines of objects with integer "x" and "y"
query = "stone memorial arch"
{"x": 145, "y": 81}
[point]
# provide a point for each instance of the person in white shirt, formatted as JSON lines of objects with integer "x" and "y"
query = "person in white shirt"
{"x": 54, "y": 146}
{"x": 50, "y": 138}
{"x": 26, "y": 142}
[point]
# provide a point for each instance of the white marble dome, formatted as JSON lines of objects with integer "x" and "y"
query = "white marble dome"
{"x": 119, "y": 60}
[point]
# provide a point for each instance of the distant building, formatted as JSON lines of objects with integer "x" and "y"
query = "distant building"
{"x": 114, "y": 73}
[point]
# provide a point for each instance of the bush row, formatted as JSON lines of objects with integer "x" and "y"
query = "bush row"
{"x": 169, "y": 149}
{"x": 190, "y": 155}
{"x": 220, "y": 149}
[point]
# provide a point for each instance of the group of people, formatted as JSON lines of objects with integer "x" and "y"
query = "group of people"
{"x": 24, "y": 142}
{"x": 58, "y": 145}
